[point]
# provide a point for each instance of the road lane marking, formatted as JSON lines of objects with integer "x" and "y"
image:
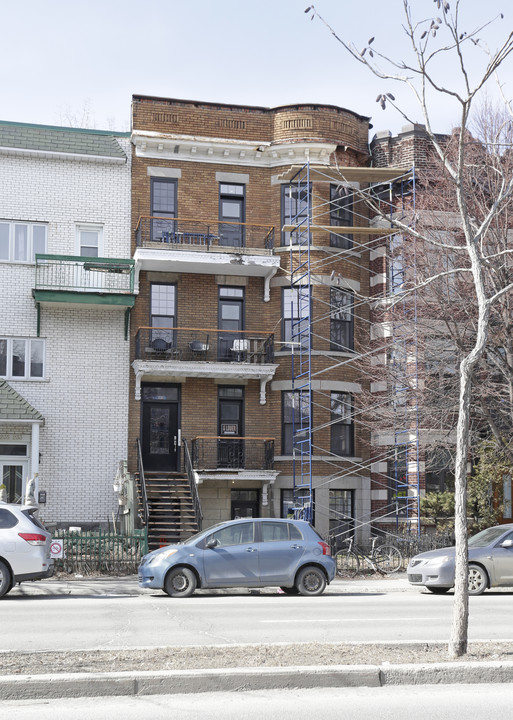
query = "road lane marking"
{"x": 310, "y": 620}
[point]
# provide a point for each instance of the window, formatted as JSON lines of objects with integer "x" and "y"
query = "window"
{"x": 22, "y": 359}
{"x": 90, "y": 240}
{"x": 290, "y": 313}
{"x": 238, "y": 534}
{"x": 163, "y": 314}
{"x": 341, "y": 215}
{"x": 440, "y": 356}
{"x": 397, "y": 471}
{"x": 341, "y": 517}
{"x": 287, "y": 503}
{"x": 231, "y": 210}
{"x": 19, "y": 242}
{"x": 341, "y": 325}
{"x": 278, "y": 531}
{"x": 295, "y": 304}
{"x": 439, "y": 470}
{"x": 7, "y": 519}
{"x": 163, "y": 206}
{"x": 294, "y": 209}
{"x": 396, "y": 271}
{"x": 342, "y": 424}
{"x": 295, "y": 415}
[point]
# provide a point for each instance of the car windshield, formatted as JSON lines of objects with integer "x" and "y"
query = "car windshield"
{"x": 485, "y": 537}
{"x": 201, "y": 533}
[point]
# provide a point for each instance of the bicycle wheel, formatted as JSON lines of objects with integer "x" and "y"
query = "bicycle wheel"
{"x": 347, "y": 563}
{"x": 387, "y": 558}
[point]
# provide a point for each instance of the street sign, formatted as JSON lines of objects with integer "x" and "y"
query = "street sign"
{"x": 57, "y": 549}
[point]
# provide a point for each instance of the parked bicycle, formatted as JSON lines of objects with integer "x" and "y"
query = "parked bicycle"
{"x": 384, "y": 559}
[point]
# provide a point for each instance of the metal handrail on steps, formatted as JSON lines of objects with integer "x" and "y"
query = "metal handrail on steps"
{"x": 192, "y": 484}
{"x": 142, "y": 482}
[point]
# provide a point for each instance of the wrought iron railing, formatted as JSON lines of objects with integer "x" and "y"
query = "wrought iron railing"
{"x": 192, "y": 484}
{"x": 204, "y": 345}
{"x": 234, "y": 453}
{"x": 144, "y": 511}
{"x": 98, "y": 551}
{"x": 84, "y": 274}
{"x": 174, "y": 233}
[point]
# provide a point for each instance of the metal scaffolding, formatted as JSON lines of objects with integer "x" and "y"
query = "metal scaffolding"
{"x": 311, "y": 215}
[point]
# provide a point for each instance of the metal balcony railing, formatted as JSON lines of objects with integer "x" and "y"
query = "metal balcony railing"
{"x": 204, "y": 345}
{"x": 182, "y": 233}
{"x": 234, "y": 453}
{"x": 84, "y": 274}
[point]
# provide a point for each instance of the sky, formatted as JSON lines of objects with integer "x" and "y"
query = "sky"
{"x": 66, "y": 62}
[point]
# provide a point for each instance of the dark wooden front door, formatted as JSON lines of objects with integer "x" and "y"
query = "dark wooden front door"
{"x": 160, "y": 422}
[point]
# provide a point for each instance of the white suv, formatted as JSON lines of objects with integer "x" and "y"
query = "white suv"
{"x": 24, "y": 546}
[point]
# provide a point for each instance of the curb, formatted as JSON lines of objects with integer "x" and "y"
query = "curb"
{"x": 170, "y": 682}
{"x": 127, "y": 587}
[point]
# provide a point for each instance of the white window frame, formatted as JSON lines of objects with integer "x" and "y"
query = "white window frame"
{"x": 88, "y": 227}
{"x": 30, "y": 255}
{"x": 28, "y": 354}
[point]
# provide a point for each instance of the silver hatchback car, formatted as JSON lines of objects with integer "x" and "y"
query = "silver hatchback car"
{"x": 24, "y": 546}
{"x": 251, "y": 552}
{"x": 490, "y": 563}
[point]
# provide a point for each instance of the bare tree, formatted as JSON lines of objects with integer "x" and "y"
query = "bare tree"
{"x": 440, "y": 51}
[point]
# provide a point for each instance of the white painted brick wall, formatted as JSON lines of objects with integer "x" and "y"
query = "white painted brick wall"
{"x": 84, "y": 396}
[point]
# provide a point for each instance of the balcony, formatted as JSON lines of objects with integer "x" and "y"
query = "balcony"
{"x": 198, "y": 352}
{"x": 200, "y": 345}
{"x": 233, "y": 457}
{"x": 195, "y": 246}
{"x": 89, "y": 280}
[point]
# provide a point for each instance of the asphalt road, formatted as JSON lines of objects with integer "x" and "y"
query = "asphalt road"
{"x": 119, "y": 616}
{"x": 428, "y": 702}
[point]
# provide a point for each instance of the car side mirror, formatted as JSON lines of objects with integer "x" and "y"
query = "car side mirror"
{"x": 212, "y": 543}
{"x": 507, "y": 544}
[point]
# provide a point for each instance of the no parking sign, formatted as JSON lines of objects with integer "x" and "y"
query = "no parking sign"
{"x": 57, "y": 549}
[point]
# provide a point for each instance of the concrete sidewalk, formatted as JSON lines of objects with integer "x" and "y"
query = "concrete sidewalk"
{"x": 44, "y": 687}
{"x": 127, "y": 586}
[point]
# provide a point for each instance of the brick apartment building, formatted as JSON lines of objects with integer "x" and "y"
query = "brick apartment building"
{"x": 176, "y": 352}
{"x": 66, "y": 283}
{"x": 211, "y": 327}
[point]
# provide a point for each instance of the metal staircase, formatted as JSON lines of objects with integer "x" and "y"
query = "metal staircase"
{"x": 168, "y": 506}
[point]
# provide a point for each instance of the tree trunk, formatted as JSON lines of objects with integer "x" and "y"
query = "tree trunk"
{"x": 459, "y": 631}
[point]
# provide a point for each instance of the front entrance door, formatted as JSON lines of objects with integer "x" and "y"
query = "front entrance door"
{"x": 160, "y": 423}
{"x": 245, "y": 504}
{"x": 230, "y": 445}
{"x": 231, "y": 318}
{"x": 12, "y": 475}
{"x": 231, "y": 209}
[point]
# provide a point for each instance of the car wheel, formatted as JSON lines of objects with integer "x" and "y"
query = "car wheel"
{"x": 5, "y": 579}
{"x": 477, "y": 580}
{"x": 290, "y": 590}
{"x": 437, "y": 590}
{"x": 311, "y": 581}
{"x": 180, "y": 582}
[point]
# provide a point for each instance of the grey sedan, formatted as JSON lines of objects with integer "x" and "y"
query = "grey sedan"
{"x": 490, "y": 555}
{"x": 252, "y": 552}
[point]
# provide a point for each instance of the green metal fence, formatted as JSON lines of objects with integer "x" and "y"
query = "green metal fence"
{"x": 99, "y": 552}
